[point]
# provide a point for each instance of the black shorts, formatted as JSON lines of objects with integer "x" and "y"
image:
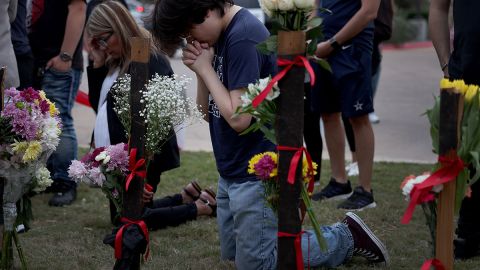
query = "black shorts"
{"x": 348, "y": 89}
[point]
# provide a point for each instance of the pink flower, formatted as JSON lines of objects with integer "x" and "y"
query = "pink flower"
{"x": 118, "y": 157}
{"x": 77, "y": 170}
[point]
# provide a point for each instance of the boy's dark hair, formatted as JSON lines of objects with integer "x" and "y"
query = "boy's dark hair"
{"x": 172, "y": 19}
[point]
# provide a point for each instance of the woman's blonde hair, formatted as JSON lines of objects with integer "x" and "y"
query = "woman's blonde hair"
{"x": 111, "y": 16}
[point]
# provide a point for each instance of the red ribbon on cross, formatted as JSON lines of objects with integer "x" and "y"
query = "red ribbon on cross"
{"x": 450, "y": 168}
{"x": 433, "y": 262}
{"x": 298, "y": 247}
{"x": 301, "y": 61}
{"x": 136, "y": 167}
{"x": 119, "y": 236}
{"x": 294, "y": 164}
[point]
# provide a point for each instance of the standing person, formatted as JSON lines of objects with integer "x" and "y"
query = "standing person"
{"x": 348, "y": 30}
{"x": 383, "y": 32}
{"x": 21, "y": 46}
{"x": 108, "y": 29}
{"x": 461, "y": 63}
{"x": 55, "y": 38}
{"x": 221, "y": 51}
{"x": 8, "y": 11}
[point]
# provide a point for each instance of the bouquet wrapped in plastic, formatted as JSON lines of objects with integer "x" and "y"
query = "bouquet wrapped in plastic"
{"x": 29, "y": 134}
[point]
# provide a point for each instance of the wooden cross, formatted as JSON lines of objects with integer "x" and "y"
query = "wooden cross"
{"x": 289, "y": 132}
{"x": 132, "y": 200}
{"x": 451, "y": 108}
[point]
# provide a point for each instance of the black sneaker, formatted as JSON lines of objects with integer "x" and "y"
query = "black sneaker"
{"x": 365, "y": 243}
{"x": 334, "y": 190}
{"x": 359, "y": 200}
{"x": 63, "y": 198}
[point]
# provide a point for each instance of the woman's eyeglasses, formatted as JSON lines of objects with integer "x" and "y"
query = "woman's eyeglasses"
{"x": 102, "y": 42}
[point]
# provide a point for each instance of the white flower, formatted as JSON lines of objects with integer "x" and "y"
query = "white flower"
{"x": 285, "y": 5}
{"x": 269, "y": 6}
{"x": 262, "y": 83}
{"x": 106, "y": 159}
{"x": 408, "y": 186}
{"x": 42, "y": 179}
{"x": 274, "y": 93}
{"x": 304, "y": 4}
{"x": 101, "y": 156}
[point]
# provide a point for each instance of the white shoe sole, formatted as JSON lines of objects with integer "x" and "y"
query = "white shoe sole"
{"x": 339, "y": 197}
{"x": 375, "y": 239}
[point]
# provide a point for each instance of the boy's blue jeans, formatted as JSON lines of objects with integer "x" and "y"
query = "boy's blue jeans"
{"x": 61, "y": 88}
{"x": 248, "y": 231}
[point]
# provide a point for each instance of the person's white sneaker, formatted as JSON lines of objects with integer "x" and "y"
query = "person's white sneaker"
{"x": 352, "y": 169}
{"x": 373, "y": 118}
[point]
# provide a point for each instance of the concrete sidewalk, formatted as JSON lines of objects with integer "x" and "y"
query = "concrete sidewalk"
{"x": 408, "y": 83}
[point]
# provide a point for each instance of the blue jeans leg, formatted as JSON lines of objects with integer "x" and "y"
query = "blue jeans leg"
{"x": 340, "y": 246}
{"x": 61, "y": 88}
{"x": 247, "y": 226}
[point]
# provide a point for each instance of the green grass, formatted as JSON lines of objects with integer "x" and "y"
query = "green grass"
{"x": 71, "y": 237}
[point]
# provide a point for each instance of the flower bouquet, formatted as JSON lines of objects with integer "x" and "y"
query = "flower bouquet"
{"x": 469, "y": 147}
{"x": 166, "y": 107}
{"x": 29, "y": 133}
{"x": 264, "y": 166}
{"x": 293, "y": 15}
{"x": 428, "y": 203}
{"x": 264, "y": 113}
{"x": 105, "y": 167}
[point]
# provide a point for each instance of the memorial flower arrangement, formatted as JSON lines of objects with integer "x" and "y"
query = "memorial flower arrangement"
{"x": 428, "y": 203}
{"x": 293, "y": 15}
{"x": 264, "y": 113}
{"x": 166, "y": 106}
{"x": 469, "y": 146}
{"x": 264, "y": 166}
{"x": 106, "y": 167}
{"x": 29, "y": 134}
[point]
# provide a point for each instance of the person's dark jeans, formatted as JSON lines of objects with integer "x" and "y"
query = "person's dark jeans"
{"x": 61, "y": 88}
{"x": 169, "y": 211}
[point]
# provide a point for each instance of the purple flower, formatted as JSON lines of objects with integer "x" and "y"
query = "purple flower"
{"x": 118, "y": 157}
{"x": 77, "y": 170}
{"x": 264, "y": 167}
{"x": 44, "y": 106}
{"x": 29, "y": 94}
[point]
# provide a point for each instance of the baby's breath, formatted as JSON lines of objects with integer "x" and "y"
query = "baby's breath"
{"x": 166, "y": 106}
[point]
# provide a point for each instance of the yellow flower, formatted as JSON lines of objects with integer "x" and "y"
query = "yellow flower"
{"x": 53, "y": 110}
{"x": 306, "y": 172}
{"x": 42, "y": 95}
{"x": 19, "y": 147}
{"x": 33, "y": 151}
{"x": 446, "y": 83}
{"x": 460, "y": 86}
{"x": 252, "y": 162}
{"x": 470, "y": 92}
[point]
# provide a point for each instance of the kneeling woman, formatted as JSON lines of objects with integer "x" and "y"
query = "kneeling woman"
{"x": 108, "y": 30}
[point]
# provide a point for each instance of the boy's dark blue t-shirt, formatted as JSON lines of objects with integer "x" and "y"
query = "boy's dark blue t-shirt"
{"x": 342, "y": 12}
{"x": 238, "y": 63}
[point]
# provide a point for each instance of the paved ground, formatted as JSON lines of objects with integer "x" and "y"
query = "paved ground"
{"x": 407, "y": 85}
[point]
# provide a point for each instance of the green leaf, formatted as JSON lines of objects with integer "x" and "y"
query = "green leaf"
{"x": 323, "y": 64}
{"x": 315, "y": 22}
{"x": 312, "y": 47}
{"x": 462, "y": 179}
{"x": 314, "y": 33}
{"x": 269, "y": 46}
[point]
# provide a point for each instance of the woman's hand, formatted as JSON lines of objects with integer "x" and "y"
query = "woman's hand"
{"x": 147, "y": 195}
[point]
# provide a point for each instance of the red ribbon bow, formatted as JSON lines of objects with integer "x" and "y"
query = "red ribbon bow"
{"x": 298, "y": 247}
{"x": 294, "y": 164}
{"x": 119, "y": 236}
{"x": 433, "y": 262}
{"x": 450, "y": 168}
{"x": 298, "y": 61}
{"x": 136, "y": 167}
